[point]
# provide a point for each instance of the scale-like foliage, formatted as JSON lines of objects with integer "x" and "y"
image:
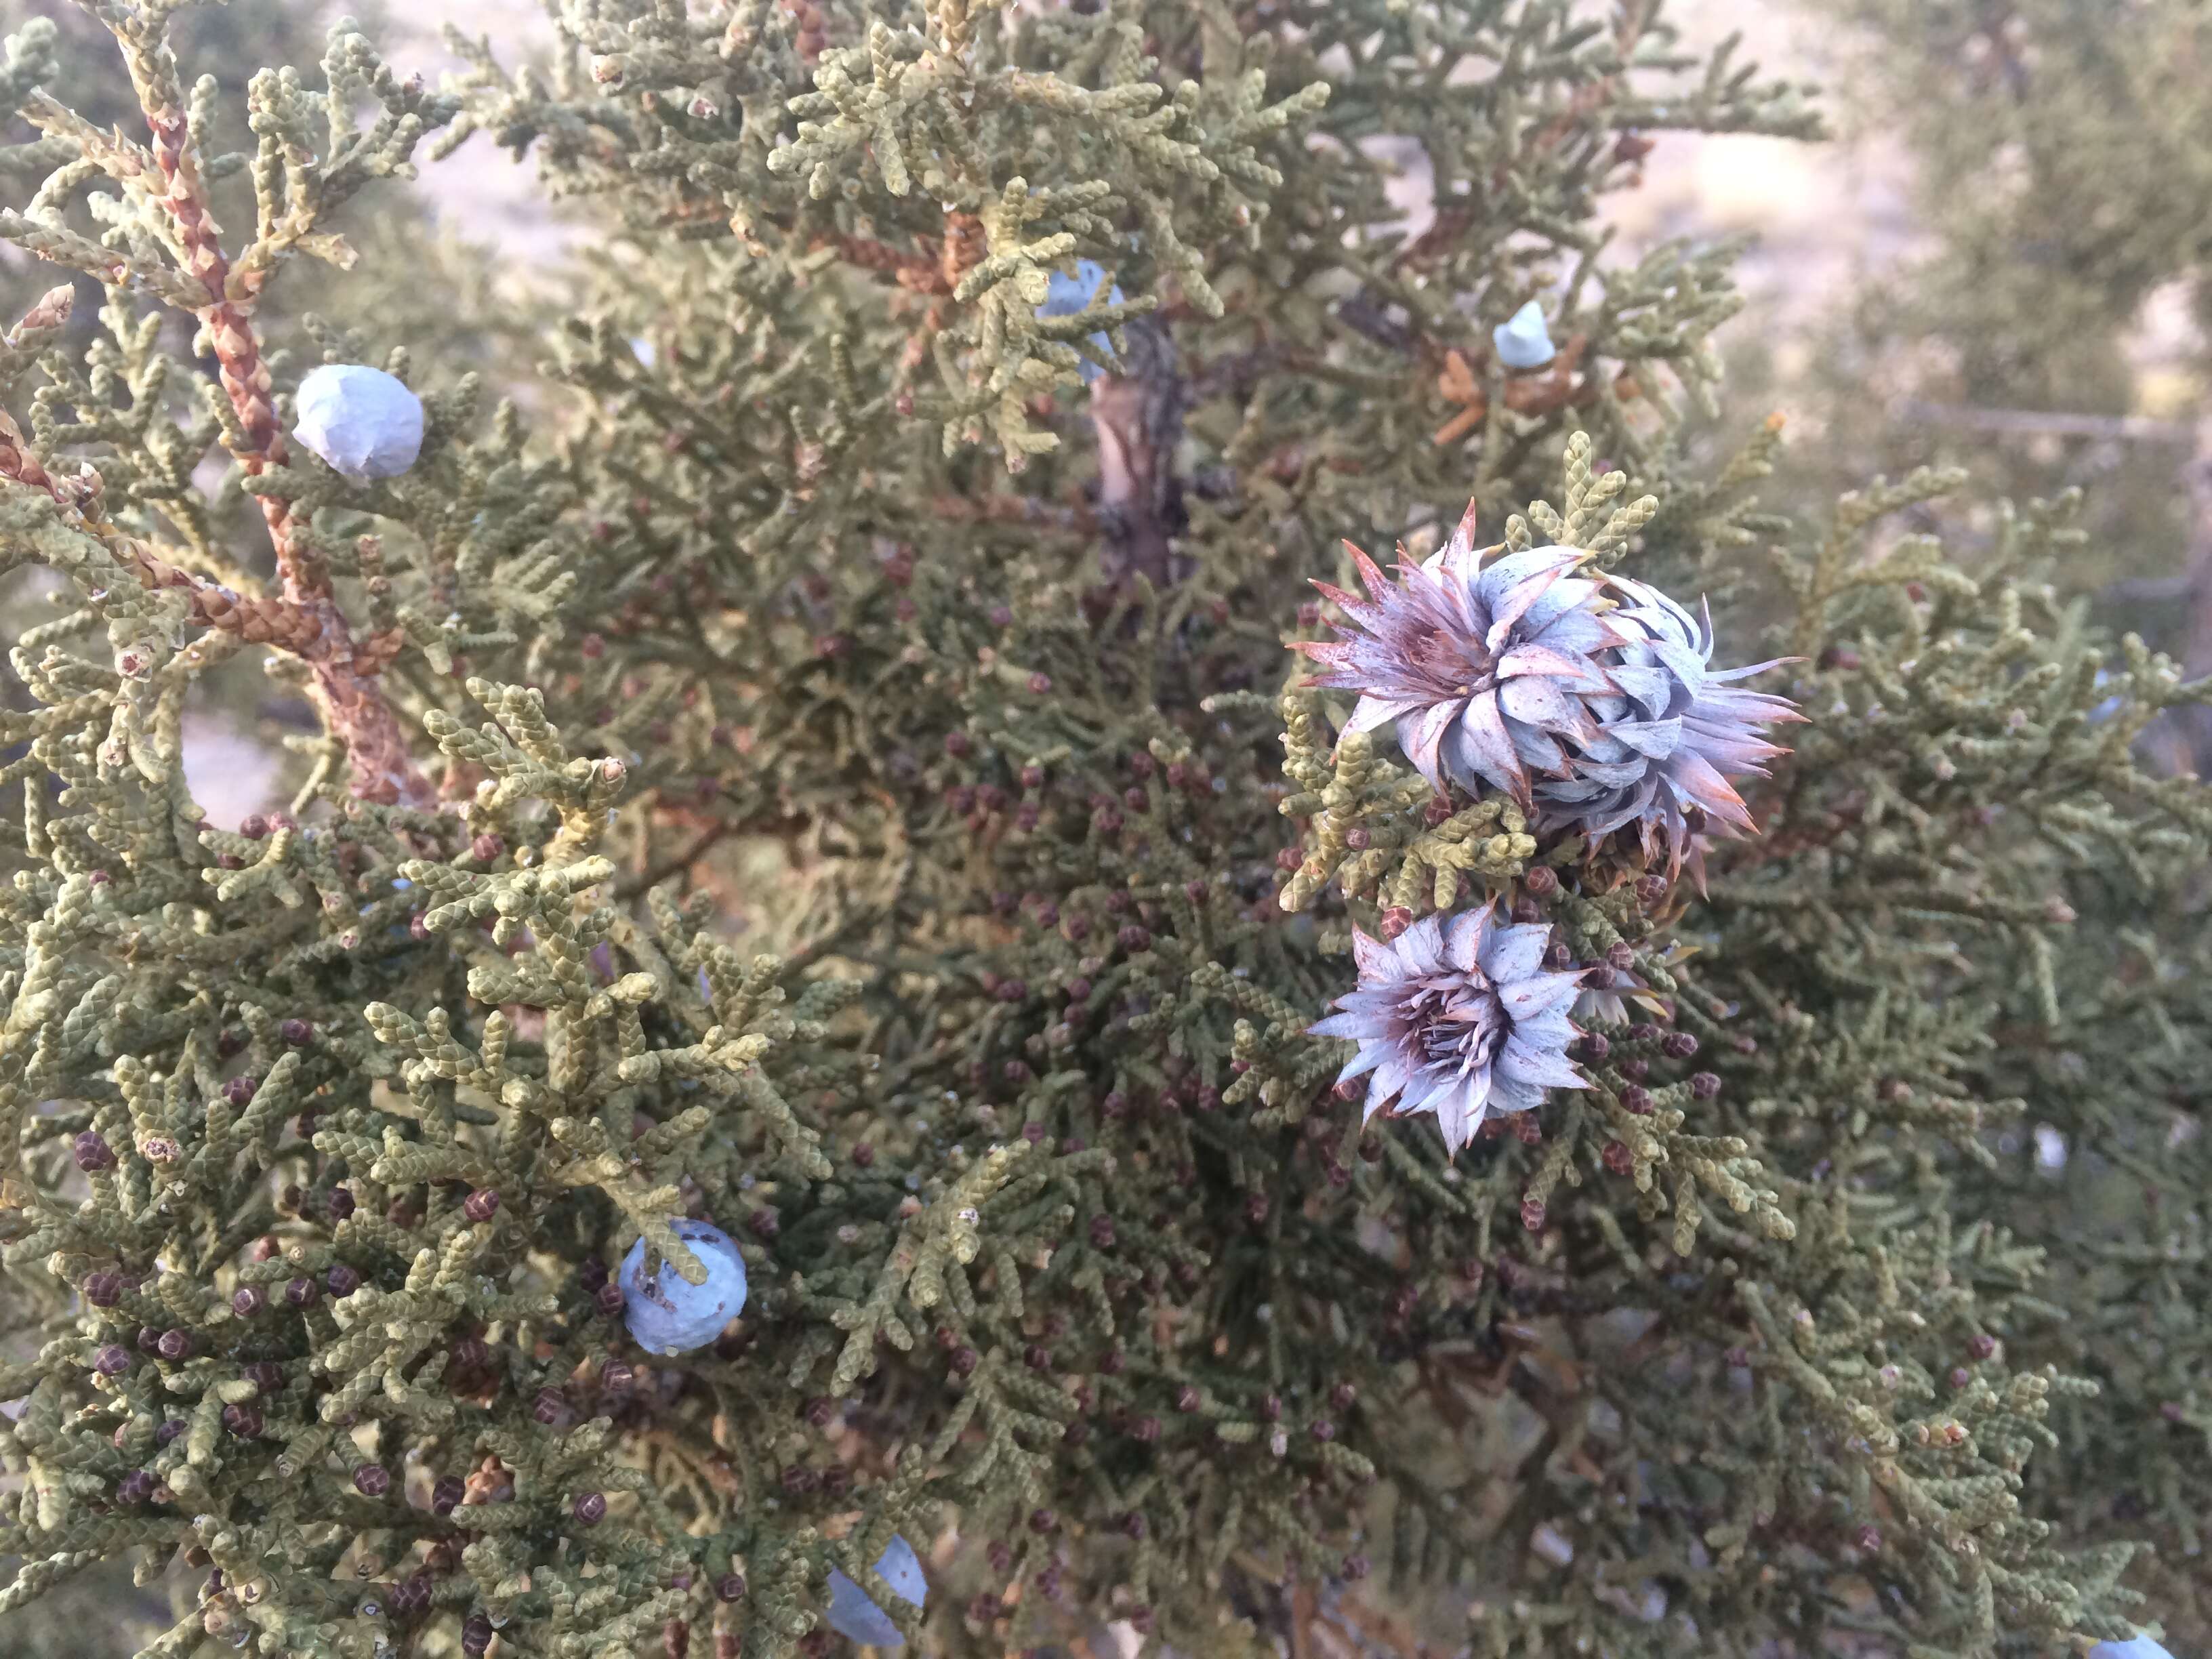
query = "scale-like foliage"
{"x": 832, "y": 609}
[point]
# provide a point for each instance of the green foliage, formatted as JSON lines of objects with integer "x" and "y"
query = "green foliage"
{"x": 818, "y": 602}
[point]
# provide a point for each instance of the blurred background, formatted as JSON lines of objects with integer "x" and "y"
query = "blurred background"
{"x": 1997, "y": 259}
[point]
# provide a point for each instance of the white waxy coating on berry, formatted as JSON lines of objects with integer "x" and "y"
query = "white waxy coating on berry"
{"x": 364, "y": 422}
{"x": 1523, "y": 341}
{"x": 853, "y": 1613}
{"x": 1066, "y": 296}
{"x": 668, "y": 1315}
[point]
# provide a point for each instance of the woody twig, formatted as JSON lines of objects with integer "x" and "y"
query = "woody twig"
{"x": 304, "y": 618}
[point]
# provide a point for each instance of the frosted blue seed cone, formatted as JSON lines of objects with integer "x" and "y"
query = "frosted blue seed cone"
{"x": 363, "y": 422}
{"x": 855, "y": 1616}
{"x": 1523, "y": 341}
{"x": 666, "y": 1315}
{"x": 1067, "y": 295}
{"x": 2136, "y": 1647}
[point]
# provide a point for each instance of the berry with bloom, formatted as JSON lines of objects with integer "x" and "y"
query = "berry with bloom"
{"x": 364, "y": 422}
{"x": 853, "y": 1613}
{"x": 1523, "y": 341}
{"x": 665, "y": 1312}
{"x": 1071, "y": 296}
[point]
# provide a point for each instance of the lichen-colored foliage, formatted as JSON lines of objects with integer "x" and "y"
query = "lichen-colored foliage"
{"x": 844, "y": 614}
